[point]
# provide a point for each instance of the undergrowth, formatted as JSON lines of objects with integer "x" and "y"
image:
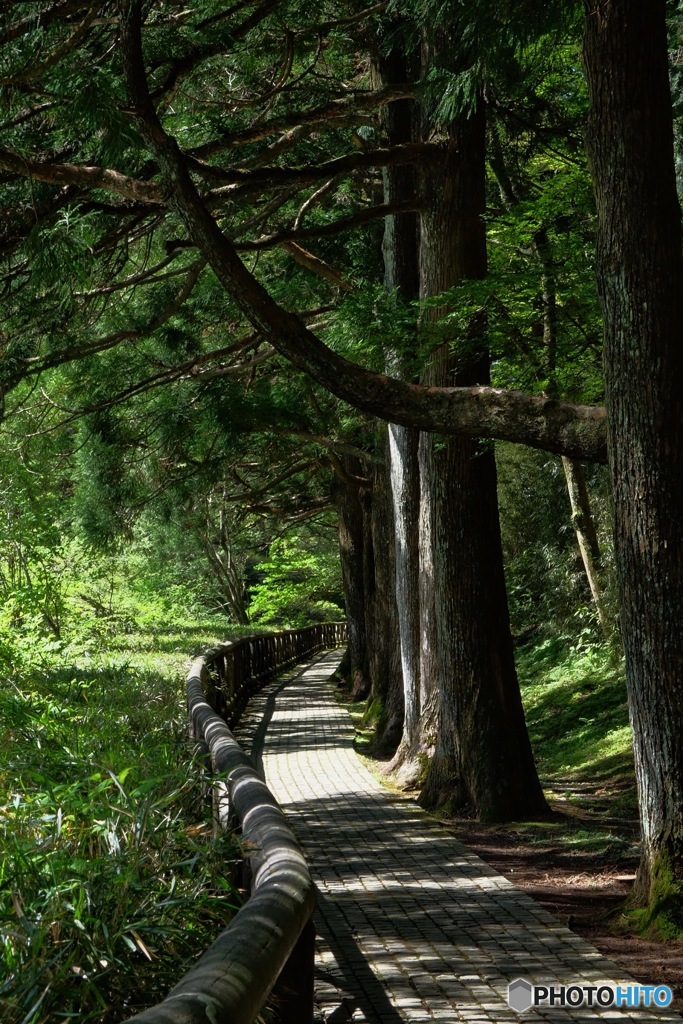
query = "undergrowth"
{"x": 577, "y": 715}
{"x": 576, "y": 711}
{"x": 111, "y": 881}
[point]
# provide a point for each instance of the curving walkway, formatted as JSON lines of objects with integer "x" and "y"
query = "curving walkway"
{"x": 411, "y": 926}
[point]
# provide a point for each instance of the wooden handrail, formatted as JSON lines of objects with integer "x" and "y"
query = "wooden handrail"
{"x": 239, "y": 668}
{"x": 231, "y": 982}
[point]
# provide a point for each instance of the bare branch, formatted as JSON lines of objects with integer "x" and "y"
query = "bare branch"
{"x": 239, "y": 180}
{"x": 320, "y": 267}
{"x": 351, "y": 19}
{"x": 313, "y": 199}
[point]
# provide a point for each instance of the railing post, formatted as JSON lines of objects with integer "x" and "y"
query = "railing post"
{"x": 293, "y": 994}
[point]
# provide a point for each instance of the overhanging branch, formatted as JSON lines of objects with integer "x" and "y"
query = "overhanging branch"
{"x": 328, "y": 113}
{"x": 575, "y": 430}
{"x": 327, "y": 230}
{"x": 84, "y": 176}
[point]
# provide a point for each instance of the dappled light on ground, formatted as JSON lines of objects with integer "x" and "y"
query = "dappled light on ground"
{"x": 412, "y": 926}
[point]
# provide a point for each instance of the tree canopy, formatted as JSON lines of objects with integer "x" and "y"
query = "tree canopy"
{"x": 197, "y": 297}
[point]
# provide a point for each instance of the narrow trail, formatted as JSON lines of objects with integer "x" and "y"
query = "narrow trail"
{"x": 412, "y": 927}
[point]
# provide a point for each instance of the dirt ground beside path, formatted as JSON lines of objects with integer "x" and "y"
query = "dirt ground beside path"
{"x": 584, "y": 890}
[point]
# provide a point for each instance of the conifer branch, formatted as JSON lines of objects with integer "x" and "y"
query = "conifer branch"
{"x": 337, "y": 111}
{"x": 575, "y": 430}
{"x": 84, "y": 176}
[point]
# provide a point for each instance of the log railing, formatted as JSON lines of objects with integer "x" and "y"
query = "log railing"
{"x": 239, "y": 669}
{"x": 272, "y": 935}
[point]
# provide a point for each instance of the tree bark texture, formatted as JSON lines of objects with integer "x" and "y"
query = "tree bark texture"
{"x": 401, "y": 277}
{"x": 640, "y": 280}
{"x": 483, "y": 755}
{"x": 383, "y": 627}
{"x": 347, "y": 494}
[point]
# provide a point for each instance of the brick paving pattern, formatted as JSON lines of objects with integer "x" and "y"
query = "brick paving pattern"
{"x": 412, "y": 927}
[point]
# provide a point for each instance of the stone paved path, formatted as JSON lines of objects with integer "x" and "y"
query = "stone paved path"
{"x": 412, "y": 926}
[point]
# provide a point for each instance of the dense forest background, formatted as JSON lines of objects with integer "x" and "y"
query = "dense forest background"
{"x": 311, "y": 313}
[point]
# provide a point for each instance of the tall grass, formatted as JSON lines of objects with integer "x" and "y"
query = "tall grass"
{"x": 111, "y": 880}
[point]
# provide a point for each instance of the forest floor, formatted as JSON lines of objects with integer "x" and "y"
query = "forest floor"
{"x": 580, "y": 868}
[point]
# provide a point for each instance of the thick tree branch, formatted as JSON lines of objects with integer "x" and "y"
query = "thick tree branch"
{"x": 86, "y": 177}
{"x": 578, "y": 431}
{"x": 328, "y": 113}
{"x": 237, "y": 179}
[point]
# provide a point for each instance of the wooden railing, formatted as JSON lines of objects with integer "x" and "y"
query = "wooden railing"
{"x": 239, "y": 669}
{"x": 272, "y": 936}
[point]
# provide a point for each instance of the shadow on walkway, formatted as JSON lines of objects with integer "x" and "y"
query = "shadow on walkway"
{"x": 412, "y": 926}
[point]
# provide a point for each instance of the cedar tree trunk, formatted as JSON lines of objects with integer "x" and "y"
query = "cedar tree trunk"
{"x": 483, "y": 755}
{"x": 383, "y": 625}
{"x": 640, "y": 279}
{"x": 401, "y": 277}
{"x": 347, "y": 494}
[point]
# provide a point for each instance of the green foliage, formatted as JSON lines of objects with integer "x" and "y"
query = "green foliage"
{"x": 548, "y": 592}
{"x": 300, "y": 582}
{"x": 107, "y": 865}
{"x": 372, "y": 324}
{"x": 108, "y": 868}
{"x": 576, "y": 710}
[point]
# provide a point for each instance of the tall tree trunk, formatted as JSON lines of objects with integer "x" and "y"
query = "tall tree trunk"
{"x": 582, "y": 517}
{"x": 401, "y": 277}
{"x": 383, "y": 622}
{"x": 405, "y": 494}
{"x": 640, "y": 280}
{"x": 586, "y": 536}
{"x": 347, "y": 494}
{"x": 483, "y": 755}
